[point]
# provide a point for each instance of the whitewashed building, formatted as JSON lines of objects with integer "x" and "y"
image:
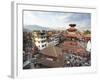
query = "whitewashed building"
{"x": 40, "y": 39}
{"x": 54, "y": 40}
{"x": 88, "y": 48}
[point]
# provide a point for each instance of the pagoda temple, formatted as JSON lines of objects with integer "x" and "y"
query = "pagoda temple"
{"x": 72, "y": 44}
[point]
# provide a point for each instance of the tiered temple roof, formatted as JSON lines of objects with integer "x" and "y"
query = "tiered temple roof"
{"x": 70, "y": 46}
{"x": 73, "y": 47}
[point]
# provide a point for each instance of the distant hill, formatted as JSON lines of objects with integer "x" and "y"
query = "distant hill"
{"x": 26, "y": 30}
{"x": 35, "y": 27}
{"x": 30, "y": 28}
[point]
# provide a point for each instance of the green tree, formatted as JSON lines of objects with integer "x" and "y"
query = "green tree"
{"x": 87, "y": 32}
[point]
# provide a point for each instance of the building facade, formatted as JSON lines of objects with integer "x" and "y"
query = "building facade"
{"x": 40, "y": 39}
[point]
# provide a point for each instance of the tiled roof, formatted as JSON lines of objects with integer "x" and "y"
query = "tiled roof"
{"x": 73, "y": 47}
{"x": 52, "y": 51}
{"x": 72, "y": 35}
{"x": 72, "y": 29}
{"x": 49, "y": 63}
{"x": 72, "y": 25}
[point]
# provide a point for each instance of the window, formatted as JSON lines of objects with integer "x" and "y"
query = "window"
{"x": 42, "y": 45}
{"x": 43, "y": 41}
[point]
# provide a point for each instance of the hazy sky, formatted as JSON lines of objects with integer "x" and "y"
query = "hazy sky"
{"x": 56, "y": 19}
